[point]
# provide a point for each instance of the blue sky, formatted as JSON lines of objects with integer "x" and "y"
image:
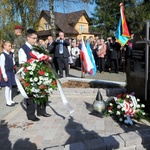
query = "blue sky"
{"x": 70, "y": 7}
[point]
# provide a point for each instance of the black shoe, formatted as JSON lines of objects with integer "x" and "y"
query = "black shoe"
{"x": 44, "y": 115}
{"x": 12, "y": 105}
{"x": 34, "y": 119}
{"x": 15, "y": 103}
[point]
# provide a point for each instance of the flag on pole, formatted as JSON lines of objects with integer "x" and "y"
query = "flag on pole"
{"x": 122, "y": 33}
{"x": 85, "y": 60}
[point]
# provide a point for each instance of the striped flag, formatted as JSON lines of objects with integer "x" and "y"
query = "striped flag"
{"x": 91, "y": 57}
{"x": 122, "y": 33}
{"x": 85, "y": 60}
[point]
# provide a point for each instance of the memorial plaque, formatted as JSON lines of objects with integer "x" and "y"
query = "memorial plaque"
{"x": 137, "y": 59}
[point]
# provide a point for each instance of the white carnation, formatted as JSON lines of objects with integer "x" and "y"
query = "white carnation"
{"x": 142, "y": 105}
{"x": 33, "y": 64}
{"x": 117, "y": 113}
{"x": 39, "y": 83}
{"x": 46, "y": 74}
{"x": 46, "y": 78}
{"x": 31, "y": 80}
{"x": 31, "y": 72}
{"x": 127, "y": 96}
{"x": 143, "y": 113}
{"x": 138, "y": 106}
{"x": 35, "y": 79}
{"x": 123, "y": 109}
{"x": 110, "y": 104}
{"x": 41, "y": 78}
{"x": 138, "y": 100}
{"x": 110, "y": 111}
{"x": 118, "y": 106}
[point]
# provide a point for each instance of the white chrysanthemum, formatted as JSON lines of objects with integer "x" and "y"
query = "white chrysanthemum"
{"x": 118, "y": 106}
{"x": 35, "y": 90}
{"x": 110, "y": 111}
{"x": 36, "y": 95}
{"x": 33, "y": 68}
{"x": 32, "y": 89}
{"x": 29, "y": 68}
{"x": 33, "y": 64}
{"x": 31, "y": 80}
{"x": 120, "y": 119}
{"x": 127, "y": 96}
{"x": 142, "y": 105}
{"x": 138, "y": 106}
{"x": 46, "y": 82}
{"x": 143, "y": 113}
{"x": 35, "y": 79}
{"x": 46, "y": 74}
{"x": 41, "y": 78}
{"x": 123, "y": 108}
{"x": 46, "y": 78}
{"x": 117, "y": 113}
{"x": 138, "y": 100}
{"x": 110, "y": 104}
{"x": 39, "y": 83}
{"x": 31, "y": 72}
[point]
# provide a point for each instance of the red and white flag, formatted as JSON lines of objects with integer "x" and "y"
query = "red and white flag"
{"x": 87, "y": 65}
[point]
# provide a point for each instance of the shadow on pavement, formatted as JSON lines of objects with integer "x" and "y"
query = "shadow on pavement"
{"x": 20, "y": 144}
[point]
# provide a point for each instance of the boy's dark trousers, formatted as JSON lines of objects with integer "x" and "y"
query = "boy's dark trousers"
{"x": 41, "y": 110}
{"x": 30, "y": 108}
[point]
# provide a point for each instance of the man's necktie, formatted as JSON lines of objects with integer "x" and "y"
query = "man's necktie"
{"x": 61, "y": 47}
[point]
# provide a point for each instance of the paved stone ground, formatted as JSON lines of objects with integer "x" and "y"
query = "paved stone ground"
{"x": 82, "y": 131}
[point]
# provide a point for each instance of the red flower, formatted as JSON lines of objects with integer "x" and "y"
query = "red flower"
{"x": 42, "y": 87}
{"x": 25, "y": 70}
{"x": 54, "y": 82}
{"x": 27, "y": 84}
{"x": 119, "y": 96}
{"x": 109, "y": 108}
{"x": 44, "y": 92}
{"x": 41, "y": 72}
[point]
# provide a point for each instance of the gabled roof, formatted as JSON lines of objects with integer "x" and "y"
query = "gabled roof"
{"x": 64, "y": 21}
{"x": 74, "y": 17}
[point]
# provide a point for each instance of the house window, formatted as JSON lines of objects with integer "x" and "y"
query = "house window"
{"x": 46, "y": 26}
{"x": 82, "y": 28}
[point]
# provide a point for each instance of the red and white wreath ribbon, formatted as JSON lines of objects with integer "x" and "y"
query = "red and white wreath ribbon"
{"x": 37, "y": 56}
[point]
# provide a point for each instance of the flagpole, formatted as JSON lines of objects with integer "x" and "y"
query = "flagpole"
{"x": 82, "y": 73}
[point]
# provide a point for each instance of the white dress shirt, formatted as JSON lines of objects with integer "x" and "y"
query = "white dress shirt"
{"x": 22, "y": 55}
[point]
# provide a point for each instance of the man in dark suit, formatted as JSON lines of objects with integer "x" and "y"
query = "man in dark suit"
{"x": 61, "y": 53}
{"x": 50, "y": 48}
{"x": 115, "y": 55}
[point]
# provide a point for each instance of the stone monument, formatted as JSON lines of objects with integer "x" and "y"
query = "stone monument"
{"x": 138, "y": 67}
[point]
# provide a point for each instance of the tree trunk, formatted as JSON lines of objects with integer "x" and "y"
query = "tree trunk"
{"x": 52, "y": 19}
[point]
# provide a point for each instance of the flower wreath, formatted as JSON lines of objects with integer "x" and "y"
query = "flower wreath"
{"x": 38, "y": 78}
{"x": 125, "y": 107}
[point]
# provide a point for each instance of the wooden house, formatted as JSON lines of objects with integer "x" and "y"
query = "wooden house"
{"x": 75, "y": 24}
